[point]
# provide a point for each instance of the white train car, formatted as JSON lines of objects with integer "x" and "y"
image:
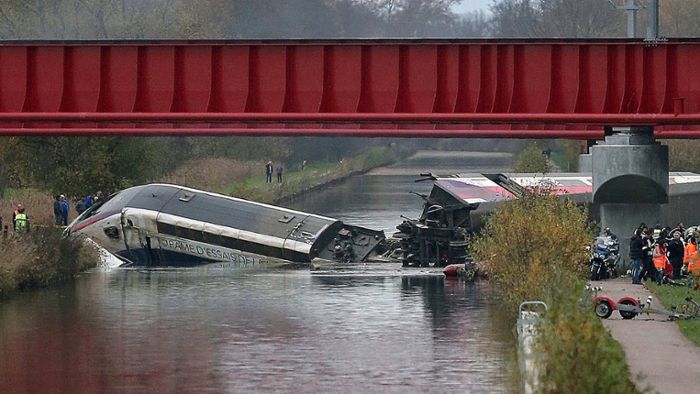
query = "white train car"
{"x": 169, "y": 225}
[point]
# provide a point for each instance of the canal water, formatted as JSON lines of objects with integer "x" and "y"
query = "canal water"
{"x": 222, "y": 329}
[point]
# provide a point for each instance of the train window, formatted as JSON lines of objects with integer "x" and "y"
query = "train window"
{"x": 211, "y": 238}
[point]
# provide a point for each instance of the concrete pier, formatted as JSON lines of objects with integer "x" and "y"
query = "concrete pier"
{"x": 630, "y": 181}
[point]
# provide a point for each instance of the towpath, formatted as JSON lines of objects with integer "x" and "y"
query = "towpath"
{"x": 659, "y": 356}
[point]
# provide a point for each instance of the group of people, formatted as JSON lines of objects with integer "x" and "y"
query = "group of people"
{"x": 270, "y": 169}
{"x": 61, "y": 206}
{"x": 662, "y": 253}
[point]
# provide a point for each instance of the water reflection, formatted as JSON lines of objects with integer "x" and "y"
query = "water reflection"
{"x": 225, "y": 330}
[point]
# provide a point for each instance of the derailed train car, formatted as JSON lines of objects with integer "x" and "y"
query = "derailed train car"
{"x": 455, "y": 208}
{"x": 169, "y": 225}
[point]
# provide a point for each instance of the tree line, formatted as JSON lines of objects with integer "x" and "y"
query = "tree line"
{"x": 70, "y": 165}
{"x": 186, "y": 19}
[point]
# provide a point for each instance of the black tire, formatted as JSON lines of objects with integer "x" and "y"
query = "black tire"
{"x": 627, "y": 314}
{"x": 603, "y": 309}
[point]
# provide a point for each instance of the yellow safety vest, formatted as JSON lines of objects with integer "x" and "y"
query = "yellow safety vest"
{"x": 20, "y": 222}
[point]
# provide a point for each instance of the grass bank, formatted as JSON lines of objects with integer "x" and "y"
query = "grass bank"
{"x": 533, "y": 249}
{"x": 246, "y": 179}
{"x": 312, "y": 176}
{"x": 40, "y": 257}
{"x": 675, "y": 295}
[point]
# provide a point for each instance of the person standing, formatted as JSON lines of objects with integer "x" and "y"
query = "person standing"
{"x": 660, "y": 260}
{"x": 80, "y": 206}
{"x": 57, "y": 210}
{"x": 690, "y": 258}
{"x": 279, "y": 173}
{"x": 65, "y": 207}
{"x": 648, "y": 271}
{"x": 676, "y": 251}
{"x": 14, "y": 216}
{"x": 87, "y": 201}
{"x": 636, "y": 255}
{"x": 21, "y": 222}
{"x": 268, "y": 172}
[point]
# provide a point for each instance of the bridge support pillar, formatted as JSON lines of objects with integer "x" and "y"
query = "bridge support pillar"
{"x": 630, "y": 181}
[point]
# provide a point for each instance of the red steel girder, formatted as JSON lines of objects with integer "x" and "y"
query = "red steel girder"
{"x": 496, "y": 88}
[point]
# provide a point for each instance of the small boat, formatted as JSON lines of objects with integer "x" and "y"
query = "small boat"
{"x": 170, "y": 225}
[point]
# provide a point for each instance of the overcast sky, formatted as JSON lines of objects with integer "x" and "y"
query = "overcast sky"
{"x": 472, "y": 5}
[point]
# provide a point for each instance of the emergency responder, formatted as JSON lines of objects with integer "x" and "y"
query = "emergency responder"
{"x": 14, "y": 215}
{"x": 660, "y": 261}
{"x": 21, "y": 222}
{"x": 690, "y": 258}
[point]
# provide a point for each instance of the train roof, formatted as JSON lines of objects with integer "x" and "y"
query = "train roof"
{"x": 221, "y": 210}
{"x": 477, "y": 188}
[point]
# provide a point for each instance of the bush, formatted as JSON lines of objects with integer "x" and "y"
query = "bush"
{"x": 40, "y": 258}
{"x": 526, "y": 241}
{"x": 533, "y": 249}
{"x": 213, "y": 174}
{"x": 532, "y": 160}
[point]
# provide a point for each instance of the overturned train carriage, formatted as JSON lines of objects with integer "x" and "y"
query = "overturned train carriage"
{"x": 440, "y": 236}
{"x": 456, "y": 208}
{"x": 168, "y": 225}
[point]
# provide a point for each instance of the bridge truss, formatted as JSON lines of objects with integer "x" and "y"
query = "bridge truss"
{"x": 375, "y": 88}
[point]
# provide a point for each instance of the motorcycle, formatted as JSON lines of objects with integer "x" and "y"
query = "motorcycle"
{"x": 604, "y": 258}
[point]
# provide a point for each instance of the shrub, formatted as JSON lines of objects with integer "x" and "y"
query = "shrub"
{"x": 532, "y": 160}
{"x": 581, "y": 356}
{"x": 40, "y": 258}
{"x": 526, "y": 241}
{"x": 213, "y": 174}
{"x": 533, "y": 249}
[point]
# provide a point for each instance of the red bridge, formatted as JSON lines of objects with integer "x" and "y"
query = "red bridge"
{"x": 404, "y": 88}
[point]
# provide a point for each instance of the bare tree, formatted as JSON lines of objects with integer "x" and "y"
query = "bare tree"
{"x": 556, "y": 18}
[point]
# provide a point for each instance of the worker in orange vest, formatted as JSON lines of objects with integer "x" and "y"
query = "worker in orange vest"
{"x": 661, "y": 263}
{"x": 690, "y": 259}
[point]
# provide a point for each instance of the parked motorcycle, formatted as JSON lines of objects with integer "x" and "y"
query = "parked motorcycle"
{"x": 604, "y": 258}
